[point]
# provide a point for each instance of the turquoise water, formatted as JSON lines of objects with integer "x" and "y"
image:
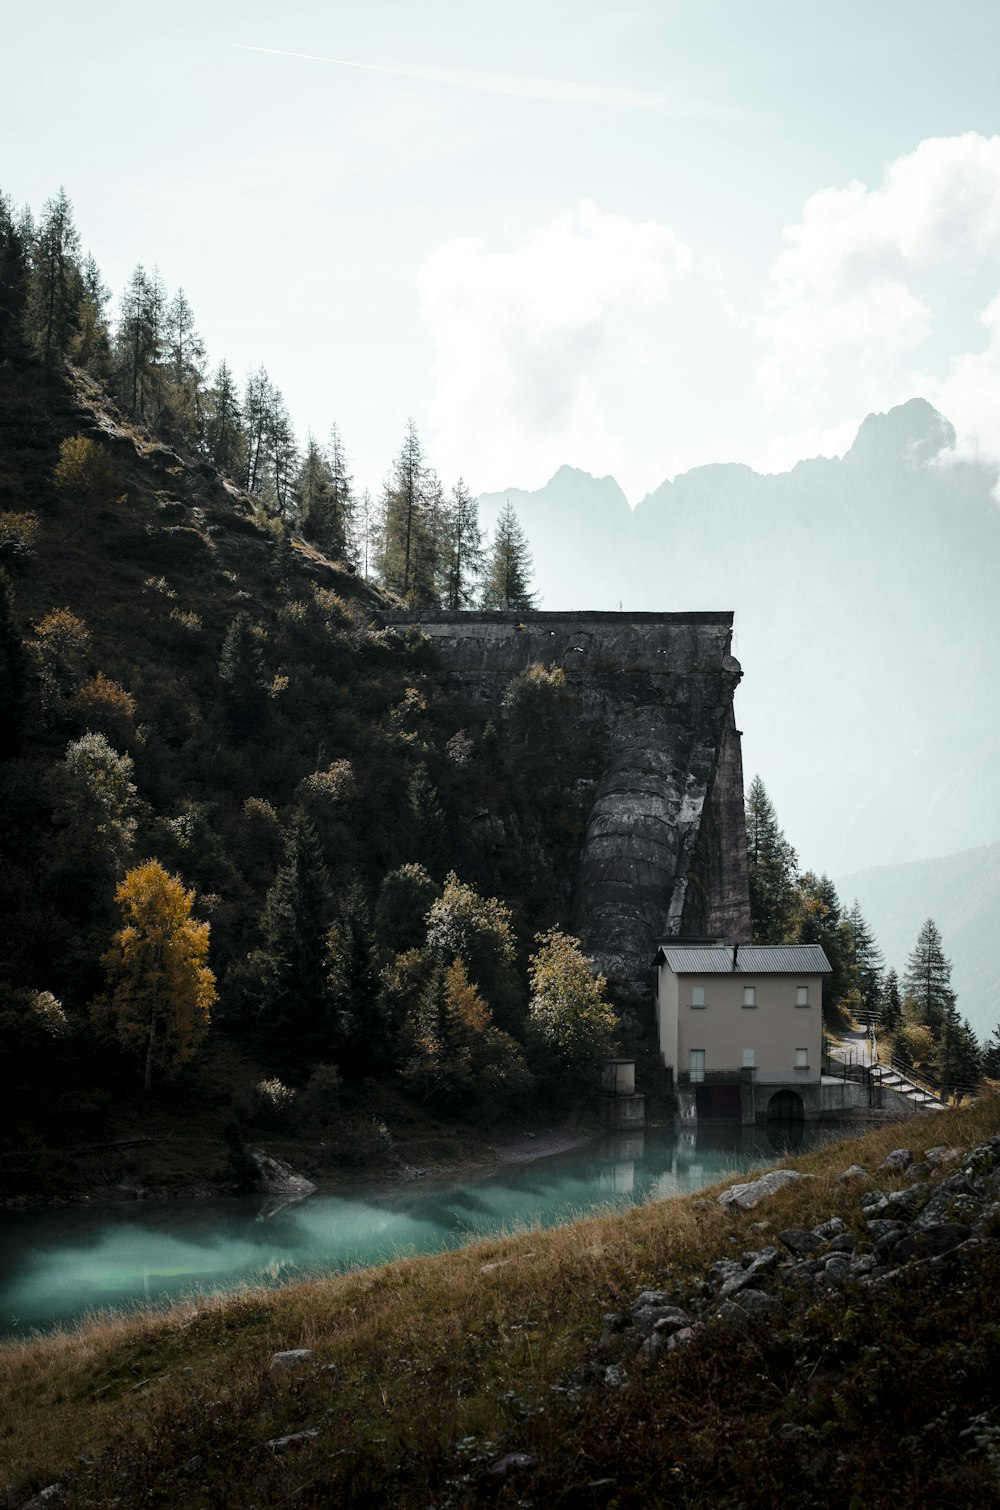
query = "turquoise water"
{"x": 58, "y": 1265}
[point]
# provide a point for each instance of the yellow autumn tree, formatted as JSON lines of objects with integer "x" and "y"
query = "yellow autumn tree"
{"x": 160, "y": 989}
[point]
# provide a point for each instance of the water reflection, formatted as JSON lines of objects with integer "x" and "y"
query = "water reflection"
{"x": 56, "y": 1265}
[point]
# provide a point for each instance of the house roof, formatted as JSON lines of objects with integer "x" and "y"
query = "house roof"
{"x": 751, "y": 959}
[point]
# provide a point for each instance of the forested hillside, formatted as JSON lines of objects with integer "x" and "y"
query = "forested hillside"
{"x": 237, "y": 808}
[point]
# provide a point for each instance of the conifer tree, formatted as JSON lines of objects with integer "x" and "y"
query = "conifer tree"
{"x": 52, "y": 311}
{"x": 16, "y": 236}
{"x": 91, "y": 347}
{"x": 771, "y": 863}
{"x": 867, "y": 957}
{"x": 292, "y": 962}
{"x": 462, "y": 552}
{"x": 138, "y": 345}
{"x": 225, "y": 433}
{"x": 185, "y": 369}
{"x": 927, "y": 981}
{"x": 407, "y": 548}
{"x": 507, "y": 576}
{"x": 892, "y": 1006}
{"x": 241, "y": 670}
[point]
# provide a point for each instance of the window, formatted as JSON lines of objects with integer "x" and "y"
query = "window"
{"x": 801, "y": 1059}
{"x": 697, "y": 996}
{"x": 749, "y": 1059}
{"x": 801, "y": 996}
{"x": 697, "y": 1066}
{"x": 749, "y": 996}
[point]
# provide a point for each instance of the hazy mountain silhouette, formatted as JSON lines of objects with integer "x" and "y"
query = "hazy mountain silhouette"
{"x": 962, "y": 894}
{"x": 866, "y": 591}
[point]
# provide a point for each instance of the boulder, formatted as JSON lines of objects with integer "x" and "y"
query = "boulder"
{"x": 746, "y": 1196}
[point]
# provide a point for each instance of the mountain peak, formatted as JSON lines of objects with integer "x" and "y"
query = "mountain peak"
{"x": 911, "y": 432}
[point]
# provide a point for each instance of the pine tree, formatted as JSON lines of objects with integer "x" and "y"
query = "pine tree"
{"x": 138, "y": 345}
{"x": 463, "y": 554}
{"x": 292, "y": 964}
{"x": 312, "y": 494}
{"x": 868, "y": 959}
{"x": 507, "y": 577}
{"x": 927, "y": 981}
{"x": 407, "y": 549}
{"x": 225, "y": 433}
{"x": 241, "y": 670}
{"x": 91, "y": 347}
{"x": 892, "y": 1006}
{"x": 185, "y": 369}
{"x": 820, "y": 920}
{"x": 16, "y": 236}
{"x": 771, "y": 863}
{"x": 52, "y": 310}
{"x": 365, "y": 534}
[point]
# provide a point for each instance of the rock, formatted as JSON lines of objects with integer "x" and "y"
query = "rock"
{"x": 649, "y": 1319}
{"x": 835, "y": 1269}
{"x": 685, "y": 1337}
{"x": 650, "y": 1298}
{"x": 746, "y": 1196}
{"x": 615, "y": 1377}
{"x": 512, "y": 1462}
{"x": 920, "y": 1171}
{"x": 763, "y": 1262}
{"x": 279, "y": 1444}
{"x": 732, "y": 1314}
{"x": 277, "y": 1178}
{"x": 757, "y": 1303}
{"x": 929, "y": 1242}
{"x": 675, "y": 1321}
{"x": 900, "y": 1158}
{"x": 292, "y": 1357}
{"x": 907, "y": 1202}
{"x": 800, "y": 1242}
{"x": 852, "y": 1175}
{"x": 881, "y": 1227}
{"x": 873, "y": 1201}
{"x": 949, "y": 1206}
{"x": 942, "y": 1154}
{"x": 845, "y": 1242}
{"x": 501, "y": 1263}
{"x": 49, "y": 1498}
{"x": 735, "y": 1284}
{"x": 831, "y": 1227}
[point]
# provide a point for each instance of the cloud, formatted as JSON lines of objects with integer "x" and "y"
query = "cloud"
{"x": 785, "y": 450}
{"x": 528, "y": 87}
{"x": 520, "y": 337}
{"x": 869, "y": 275}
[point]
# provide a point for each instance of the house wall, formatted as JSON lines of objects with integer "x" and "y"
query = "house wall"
{"x": 774, "y": 1028}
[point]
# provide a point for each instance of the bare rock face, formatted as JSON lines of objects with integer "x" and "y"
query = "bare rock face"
{"x": 665, "y": 846}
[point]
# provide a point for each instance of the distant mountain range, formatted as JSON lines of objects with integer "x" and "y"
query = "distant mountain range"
{"x": 866, "y": 591}
{"x": 962, "y": 894}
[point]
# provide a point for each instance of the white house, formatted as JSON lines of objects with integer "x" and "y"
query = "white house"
{"x": 741, "y": 1026}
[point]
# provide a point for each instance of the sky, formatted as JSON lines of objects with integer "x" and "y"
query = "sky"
{"x": 631, "y": 237}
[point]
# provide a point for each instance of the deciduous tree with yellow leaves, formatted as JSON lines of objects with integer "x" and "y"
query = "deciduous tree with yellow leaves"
{"x": 160, "y": 989}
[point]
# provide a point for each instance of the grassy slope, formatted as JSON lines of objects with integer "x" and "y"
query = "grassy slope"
{"x": 425, "y": 1371}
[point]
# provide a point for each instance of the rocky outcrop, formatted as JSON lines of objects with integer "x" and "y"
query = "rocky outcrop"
{"x": 665, "y": 848}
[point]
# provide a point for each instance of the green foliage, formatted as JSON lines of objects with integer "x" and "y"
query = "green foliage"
{"x": 87, "y": 473}
{"x": 94, "y": 811}
{"x": 507, "y": 576}
{"x": 404, "y": 899}
{"x": 478, "y": 930}
{"x": 241, "y": 671}
{"x": 55, "y": 288}
{"x": 462, "y": 554}
{"x": 867, "y": 958}
{"x": 927, "y": 981}
{"x": 409, "y": 544}
{"x": 771, "y": 869}
{"x": 572, "y": 1029}
{"x": 454, "y": 1056}
{"x": 891, "y": 1005}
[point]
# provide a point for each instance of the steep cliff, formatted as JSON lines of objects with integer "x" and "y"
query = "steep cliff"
{"x": 664, "y": 849}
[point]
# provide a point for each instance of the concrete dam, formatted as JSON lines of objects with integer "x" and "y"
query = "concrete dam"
{"x": 664, "y": 850}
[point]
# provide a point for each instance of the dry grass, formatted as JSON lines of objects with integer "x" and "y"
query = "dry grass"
{"x": 425, "y": 1370}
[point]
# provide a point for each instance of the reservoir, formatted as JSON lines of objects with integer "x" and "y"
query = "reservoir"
{"x": 58, "y": 1265}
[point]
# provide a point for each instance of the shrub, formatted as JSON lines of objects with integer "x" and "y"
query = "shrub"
{"x": 86, "y": 473}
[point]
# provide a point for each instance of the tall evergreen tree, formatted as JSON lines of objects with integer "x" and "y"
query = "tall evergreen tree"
{"x": 185, "y": 369}
{"x": 292, "y": 962}
{"x": 225, "y": 432}
{"x": 91, "y": 346}
{"x": 927, "y": 981}
{"x": 771, "y": 864}
{"x": 16, "y": 237}
{"x": 463, "y": 555}
{"x": 365, "y": 534}
{"x": 868, "y": 959}
{"x": 507, "y": 577}
{"x": 241, "y": 670}
{"x": 138, "y": 346}
{"x": 312, "y": 493}
{"x": 892, "y": 1006}
{"x": 52, "y": 310}
{"x": 820, "y": 920}
{"x": 406, "y": 539}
